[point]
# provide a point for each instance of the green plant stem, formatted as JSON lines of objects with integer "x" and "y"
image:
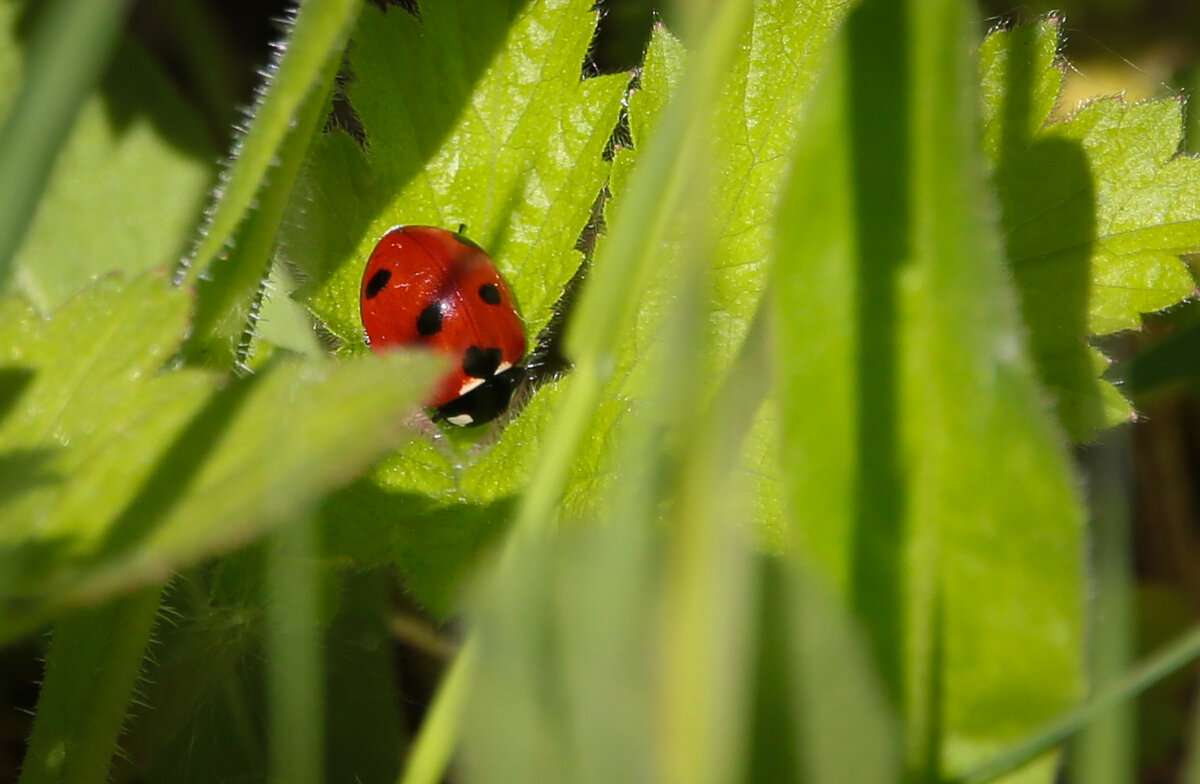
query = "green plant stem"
{"x": 294, "y": 665}
{"x": 319, "y": 32}
{"x": 1169, "y": 659}
{"x": 226, "y": 301}
{"x": 66, "y": 57}
{"x": 94, "y": 660}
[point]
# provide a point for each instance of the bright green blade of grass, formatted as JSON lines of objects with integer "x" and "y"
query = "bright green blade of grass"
{"x": 625, "y": 263}
{"x": 67, "y": 55}
{"x": 924, "y": 479}
{"x": 761, "y": 100}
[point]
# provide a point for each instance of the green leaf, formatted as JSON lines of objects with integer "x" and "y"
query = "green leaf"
{"x": 1096, "y": 211}
{"x": 925, "y": 478}
{"x": 124, "y": 470}
{"x": 128, "y": 184}
{"x": 756, "y": 118}
{"x": 474, "y": 114}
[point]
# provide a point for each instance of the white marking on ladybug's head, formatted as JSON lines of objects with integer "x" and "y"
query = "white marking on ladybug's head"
{"x": 462, "y": 420}
{"x": 503, "y": 366}
{"x": 468, "y": 385}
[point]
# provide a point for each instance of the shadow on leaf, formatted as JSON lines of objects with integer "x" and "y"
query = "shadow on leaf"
{"x": 1047, "y": 195}
{"x": 434, "y": 543}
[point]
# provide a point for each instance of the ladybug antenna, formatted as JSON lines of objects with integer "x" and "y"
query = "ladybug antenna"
{"x": 462, "y": 228}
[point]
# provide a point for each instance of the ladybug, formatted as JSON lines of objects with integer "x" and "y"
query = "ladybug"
{"x": 427, "y": 286}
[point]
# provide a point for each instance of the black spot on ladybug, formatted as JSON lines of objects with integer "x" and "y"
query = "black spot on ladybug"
{"x": 481, "y": 362}
{"x": 377, "y": 282}
{"x": 489, "y": 293}
{"x": 430, "y": 320}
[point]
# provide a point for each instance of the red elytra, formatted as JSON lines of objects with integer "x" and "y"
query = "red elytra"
{"x": 427, "y": 286}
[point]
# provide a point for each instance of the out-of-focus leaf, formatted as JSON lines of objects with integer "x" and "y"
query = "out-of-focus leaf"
{"x": 925, "y": 479}
{"x": 69, "y": 45}
{"x": 128, "y": 185}
{"x": 141, "y": 469}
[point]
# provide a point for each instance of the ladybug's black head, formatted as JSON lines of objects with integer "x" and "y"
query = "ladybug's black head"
{"x": 483, "y": 403}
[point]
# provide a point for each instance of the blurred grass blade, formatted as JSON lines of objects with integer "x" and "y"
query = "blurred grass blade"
{"x": 430, "y": 755}
{"x": 1170, "y": 658}
{"x": 1105, "y": 752}
{"x": 710, "y": 580}
{"x": 845, "y": 731}
{"x": 67, "y": 56}
{"x": 1190, "y": 773}
{"x": 295, "y": 671}
{"x": 94, "y": 660}
{"x": 923, "y": 474}
{"x": 627, "y": 257}
{"x": 319, "y": 32}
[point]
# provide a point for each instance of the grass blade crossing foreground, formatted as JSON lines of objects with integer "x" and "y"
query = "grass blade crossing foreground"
{"x": 295, "y": 666}
{"x": 1178, "y": 654}
{"x": 923, "y": 473}
{"x": 626, "y": 258}
{"x": 655, "y": 192}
